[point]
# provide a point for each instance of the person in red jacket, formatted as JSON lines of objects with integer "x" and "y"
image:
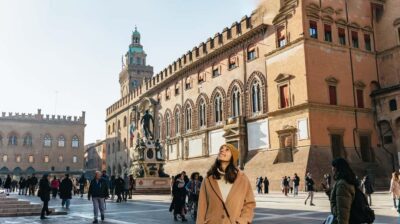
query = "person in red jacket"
{"x": 55, "y": 185}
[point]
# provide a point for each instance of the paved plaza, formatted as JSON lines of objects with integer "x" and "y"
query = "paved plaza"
{"x": 273, "y": 208}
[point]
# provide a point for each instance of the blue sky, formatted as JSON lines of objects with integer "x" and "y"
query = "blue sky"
{"x": 64, "y": 56}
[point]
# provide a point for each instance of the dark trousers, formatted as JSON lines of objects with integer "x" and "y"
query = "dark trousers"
{"x": 266, "y": 190}
{"x": 125, "y": 194}
{"x": 32, "y": 190}
{"x": 82, "y": 189}
{"x": 45, "y": 208}
{"x": 54, "y": 192}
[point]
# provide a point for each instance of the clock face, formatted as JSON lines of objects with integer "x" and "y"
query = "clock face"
{"x": 150, "y": 154}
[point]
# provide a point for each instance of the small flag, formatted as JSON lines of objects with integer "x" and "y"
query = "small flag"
{"x": 132, "y": 130}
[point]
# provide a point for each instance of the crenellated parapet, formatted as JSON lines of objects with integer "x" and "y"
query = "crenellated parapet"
{"x": 39, "y": 117}
{"x": 230, "y": 36}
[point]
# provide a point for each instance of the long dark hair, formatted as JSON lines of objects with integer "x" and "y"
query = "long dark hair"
{"x": 231, "y": 171}
{"x": 344, "y": 172}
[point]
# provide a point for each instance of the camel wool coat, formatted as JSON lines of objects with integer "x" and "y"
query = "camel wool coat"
{"x": 240, "y": 202}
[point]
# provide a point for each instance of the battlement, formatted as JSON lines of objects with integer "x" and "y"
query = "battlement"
{"x": 39, "y": 117}
{"x": 203, "y": 51}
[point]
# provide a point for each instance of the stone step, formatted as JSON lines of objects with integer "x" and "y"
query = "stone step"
{"x": 28, "y": 213}
{"x": 17, "y": 205}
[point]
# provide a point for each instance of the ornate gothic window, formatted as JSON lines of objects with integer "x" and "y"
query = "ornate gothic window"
{"x": 28, "y": 140}
{"x": 218, "y": 108}
{"x": 159, "y": 127}
{"x": 256, "y": 97}
{"x": 168, "y": 124}
{"x": 177, "y": 121}
{"x": 47, "y": 141}
{"x": 12, "y": 140}
{"x": 61, "y": 141}
{"x": 74, "y": 159}
{"x": 75, "y": 142}
{"x": 202, "y": 113}
{"x": 235, "y": 102}
{"x": 188, "y": 118}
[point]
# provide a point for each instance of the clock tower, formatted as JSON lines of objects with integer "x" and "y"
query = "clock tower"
{"x": 134, "y": 68}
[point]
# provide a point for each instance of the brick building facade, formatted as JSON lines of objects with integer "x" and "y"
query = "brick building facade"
{"x": 38, "y": 143}
{"x": 289, "y": 85}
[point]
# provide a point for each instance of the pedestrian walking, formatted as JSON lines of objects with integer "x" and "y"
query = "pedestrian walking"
{"x": 266, "y": 185}
{"x": 55, "y": 184}
{"x": 395, "y": 189}
{"x": 310, "y": 189}
{"x": 44, "y": 194}
{"x": 366, "y": 186}
{"x": 21, "y": 185}
{"x": 226, "y": 195}
{"x": 285, "y": 185}
{"x": 179, "y": 197}
{"x": 290, "y": 184}
{"x": 112, "y": 187}
{"x": 7, "y": 184}
{"x": 296, "y": 184}
{"x": 32, "y": 185}
{"x": 14, "y": 184}
{"x": 98, "y": 192}
{"x": 119, "y": 188}
{"x": 126, "y": 188}
{"x": 343, "y": 192}
{"x": 82, "y": 185}
{"x": 132, "y": 185}
{"x": 193, "y": 189}
{"x": 66, "y": 188}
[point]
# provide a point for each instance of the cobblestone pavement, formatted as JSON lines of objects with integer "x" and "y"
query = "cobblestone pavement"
{"x": 273, "y": 209}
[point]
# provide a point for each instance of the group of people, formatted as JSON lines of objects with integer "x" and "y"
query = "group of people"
{"x": 64, "y": 189}
{"x": 122, "y": 187}
{"x": 25, "y": 186}
{"x": 184, "y": 189}
{"x": 262, "y": 185}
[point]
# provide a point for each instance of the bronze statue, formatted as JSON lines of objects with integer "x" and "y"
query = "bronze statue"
{"x": 146, "y": 124}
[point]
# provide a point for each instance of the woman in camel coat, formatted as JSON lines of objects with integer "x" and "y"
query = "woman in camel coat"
{"x": 226, "y": 196}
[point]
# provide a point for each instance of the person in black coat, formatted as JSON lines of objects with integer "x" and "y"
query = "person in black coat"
{"x": 44, "y": 194}
{"x": 119, "y": 188}
{"x": 179, "y": 197}
{"x": 66, "y": 187}
{"x": 266, "y": 185}
{"x": 310, "y": 189}
{"x": 32, "y": 185}
{"x": 7, "y": 184}
{"x": 21, "y": 185}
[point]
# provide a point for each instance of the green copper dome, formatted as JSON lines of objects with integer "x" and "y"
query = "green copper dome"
{"x": 135, "y": 49}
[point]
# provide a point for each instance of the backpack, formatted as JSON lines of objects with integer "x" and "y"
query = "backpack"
{"x": 360, "y": 211}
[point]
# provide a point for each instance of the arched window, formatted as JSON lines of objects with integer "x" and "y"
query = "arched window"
{"x": 74, "y": 159}
{"x": 188, "y": 118}
{"x": 75, "y": 142}
{"x": 118, "y": 146}
{"x": 109, "y": 129}
{"x": 119, "y": 125}
{"x": 218, "y": 108}
{"x": 177, "y": 121}
{"x": 168, "y": 124}
{"x": 47, "y": 141}
{"x": 256, "y": 96}
{"x": 235, "y": 102}
{"x": 188, "y": 83}
{"x": 61, "y": 141}
{"x": 60, "y": 159}
{"x": 159, "y": 127}
{"x": 202, "y": 113}
{"x": 12, "y": 139}
{"x": 113, "y": 147}
{"x": 28, "y": 140}
{"x": 113, "y": 127}
{"x": 125, "y": 145}
{"x": 125, "y": 121}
